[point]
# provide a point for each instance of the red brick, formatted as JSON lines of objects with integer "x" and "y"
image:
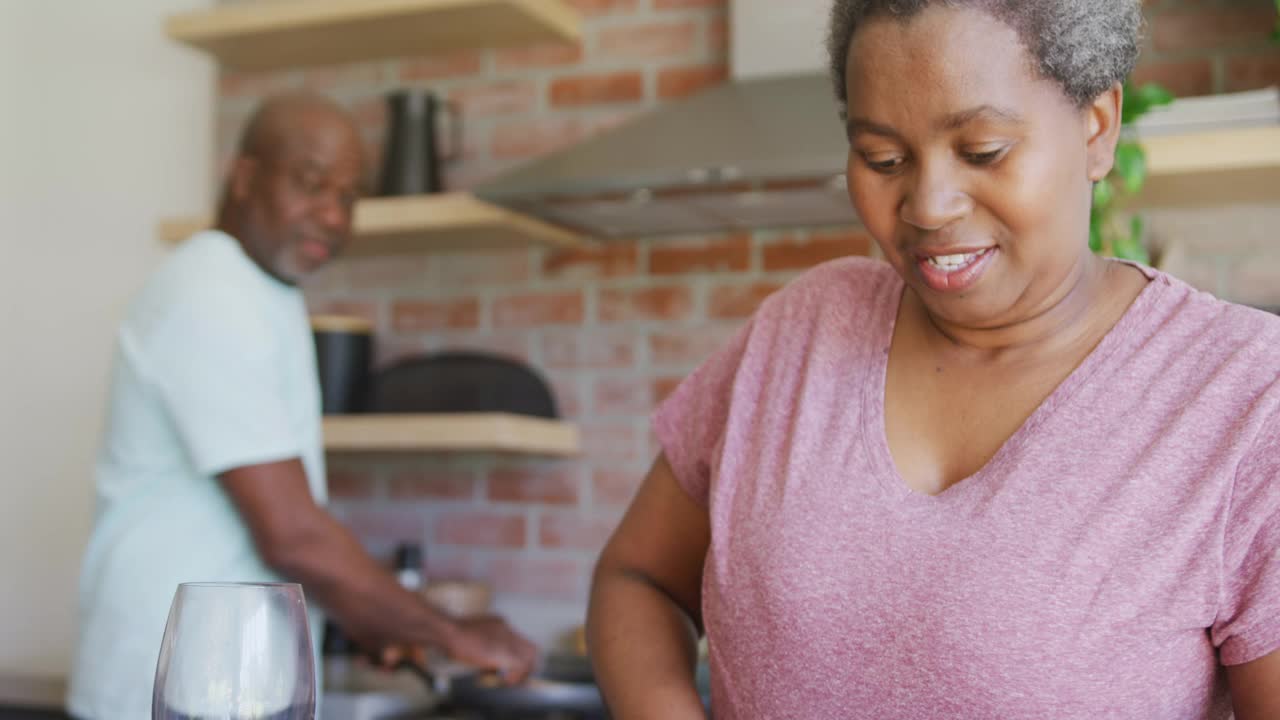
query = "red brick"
{"x": 718, "y": 34}
{"x": 386, "y": 273}
{"x": 588, "y": 351}
{"x": 538, "y": 57}
{"x": 802, "y": 254}
{"x": 607, "y": 260}
{"x": 387, "y": 525}
{"x": 1184, "y": 78}
{"x": 1211, "y": 28}
{"x": 663, "y": 387}
{"x": 410, "y": 316}
{"x": 557, "y": 485}
{"x": 579, "y": 90}
{"x": 512, "y": 345}
{"x": 576, "y": 532}
{"x": 433, "y": 484}
{"x": 553, "y": 578}
{"x": 680, "y": 82}
{"x": 739, "y": 300}
{"x": 725, "y": 254}
{"x": 331, "y": 78}
{"x": 352, "y": 484}
{"x": 611, "y": 441}
{"x": 646, "y": 304}
{"x": 614, "y": 486}
{"x": 467, "y": 270}
{"x": 439, "y": 67}
{"x": 631, "y": 396}
{"x": 451, "y": 564}
{"x": 654, "y": 41}
{"x": 687, "y": 347}
{"x": 480, "y": 529}
{"x": 234, "y": 84}
{"x": 568, "y": 396}
{"x": 677, "y": 4}
{"x": 389, "y": 349}
{"x": 370, "y": 113}
{"x": 501, "y": 98}
{"x": 536, "y": 310}
{"x": 532, "y": 138}
{"x": 1252, "y": 72}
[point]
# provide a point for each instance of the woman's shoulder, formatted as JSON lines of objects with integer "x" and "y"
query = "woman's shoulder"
{"x": 1198, "y": 346}
{"x": 1227, "y": 325}
{"x": 845, "y": 287}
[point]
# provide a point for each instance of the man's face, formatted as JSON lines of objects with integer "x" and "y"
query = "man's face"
{"x": 300, "y": 198}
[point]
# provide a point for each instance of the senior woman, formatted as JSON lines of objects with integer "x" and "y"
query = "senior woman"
{"x": 995, "y": 477}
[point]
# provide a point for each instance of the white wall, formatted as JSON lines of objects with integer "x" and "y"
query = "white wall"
{"x": 777, "y": 37}
{"x": 105, "y": 126}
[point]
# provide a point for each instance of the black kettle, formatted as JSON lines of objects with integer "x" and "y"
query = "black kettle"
{"x": 412, "y": 159}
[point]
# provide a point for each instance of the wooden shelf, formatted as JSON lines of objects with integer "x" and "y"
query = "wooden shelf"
{"x": 1213, "y": 168}
{"x": 271, "y": 34}
{"x": 464, "y": 432}
{"x": 427, "y": 223}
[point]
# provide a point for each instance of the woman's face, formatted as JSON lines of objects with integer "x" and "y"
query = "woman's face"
{"x": 971, "y": 171}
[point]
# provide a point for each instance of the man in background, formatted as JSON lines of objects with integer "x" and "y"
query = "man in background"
{"x": 212, "y": 467}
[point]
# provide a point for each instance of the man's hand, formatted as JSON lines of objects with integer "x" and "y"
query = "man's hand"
{"x": 488, "y": 643}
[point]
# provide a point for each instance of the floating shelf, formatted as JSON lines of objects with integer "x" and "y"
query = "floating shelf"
{"x": 427, "y": 223}
{"x": 464, "y": 432}
{"x": 1212, "y": 168}
{"x": 272, "y": 34}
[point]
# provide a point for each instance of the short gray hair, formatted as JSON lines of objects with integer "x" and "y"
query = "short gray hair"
{"x": 1085, "y": 46}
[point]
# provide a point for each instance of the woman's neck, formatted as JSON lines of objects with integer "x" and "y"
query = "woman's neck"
{"x": 1079, "y": 310}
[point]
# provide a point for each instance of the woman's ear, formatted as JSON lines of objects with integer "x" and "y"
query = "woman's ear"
{"x": 1102, "y": 125}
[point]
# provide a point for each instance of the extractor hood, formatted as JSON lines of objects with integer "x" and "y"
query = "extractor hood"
{"x": 766, "y": 149}
{"x": 753, "y": 153}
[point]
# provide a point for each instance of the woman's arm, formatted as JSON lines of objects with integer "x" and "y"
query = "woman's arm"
{"x": 1255, "y": 688}
{"x": 645, "y": 604}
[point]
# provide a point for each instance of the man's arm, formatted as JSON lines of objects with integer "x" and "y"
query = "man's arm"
{"x": 304, "y": 543}
{"x": 1255, "y": 688}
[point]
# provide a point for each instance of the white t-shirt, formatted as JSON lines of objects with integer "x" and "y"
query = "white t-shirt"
{"x": 214, "y": 369}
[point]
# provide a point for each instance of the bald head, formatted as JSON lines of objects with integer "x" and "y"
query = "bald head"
{"x": 292, "y": 188}
{"x": 292, "y": 117}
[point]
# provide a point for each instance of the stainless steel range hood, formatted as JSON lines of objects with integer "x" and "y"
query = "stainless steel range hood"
{"x": 753, "y": 153}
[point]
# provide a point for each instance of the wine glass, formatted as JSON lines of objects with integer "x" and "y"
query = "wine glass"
{"x": 236, "y": 651}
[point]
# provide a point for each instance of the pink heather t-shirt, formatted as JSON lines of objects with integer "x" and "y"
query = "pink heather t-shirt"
{"x": 1118, "y": 549}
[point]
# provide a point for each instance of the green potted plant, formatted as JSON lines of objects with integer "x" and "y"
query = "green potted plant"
{"x": 1108, "y": 234}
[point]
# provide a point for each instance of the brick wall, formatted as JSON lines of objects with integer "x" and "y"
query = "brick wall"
{"x": 616, "y": 327}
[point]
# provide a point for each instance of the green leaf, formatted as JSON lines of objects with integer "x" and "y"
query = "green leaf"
{"x": 1103, "y": 194}
{"x": 1131, "y": 165}
{"x": 1129, "y": 249}
{"x": 1138, "y": 101}
{"x": 1137, "y": 228}
{"x": 1095, "y": 237}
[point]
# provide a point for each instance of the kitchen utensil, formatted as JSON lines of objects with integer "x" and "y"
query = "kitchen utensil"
{"x": 236, "y": 651}
{"x": 484, "y": 692}
{"x": 459, "y": 598}
{"x": 413, "y": 160}
{"x": 453, "y": 382}
{"x": 344, "y": 346}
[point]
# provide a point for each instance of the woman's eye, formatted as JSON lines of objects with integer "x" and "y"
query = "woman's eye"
{"x": 883, "y": 164}
{"x": 984, "y": 157}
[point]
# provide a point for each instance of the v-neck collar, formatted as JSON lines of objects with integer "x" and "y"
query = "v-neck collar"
{"x": 875, "y": 433}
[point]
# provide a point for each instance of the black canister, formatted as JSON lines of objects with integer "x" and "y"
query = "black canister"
{"x": 344, "y": 351}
